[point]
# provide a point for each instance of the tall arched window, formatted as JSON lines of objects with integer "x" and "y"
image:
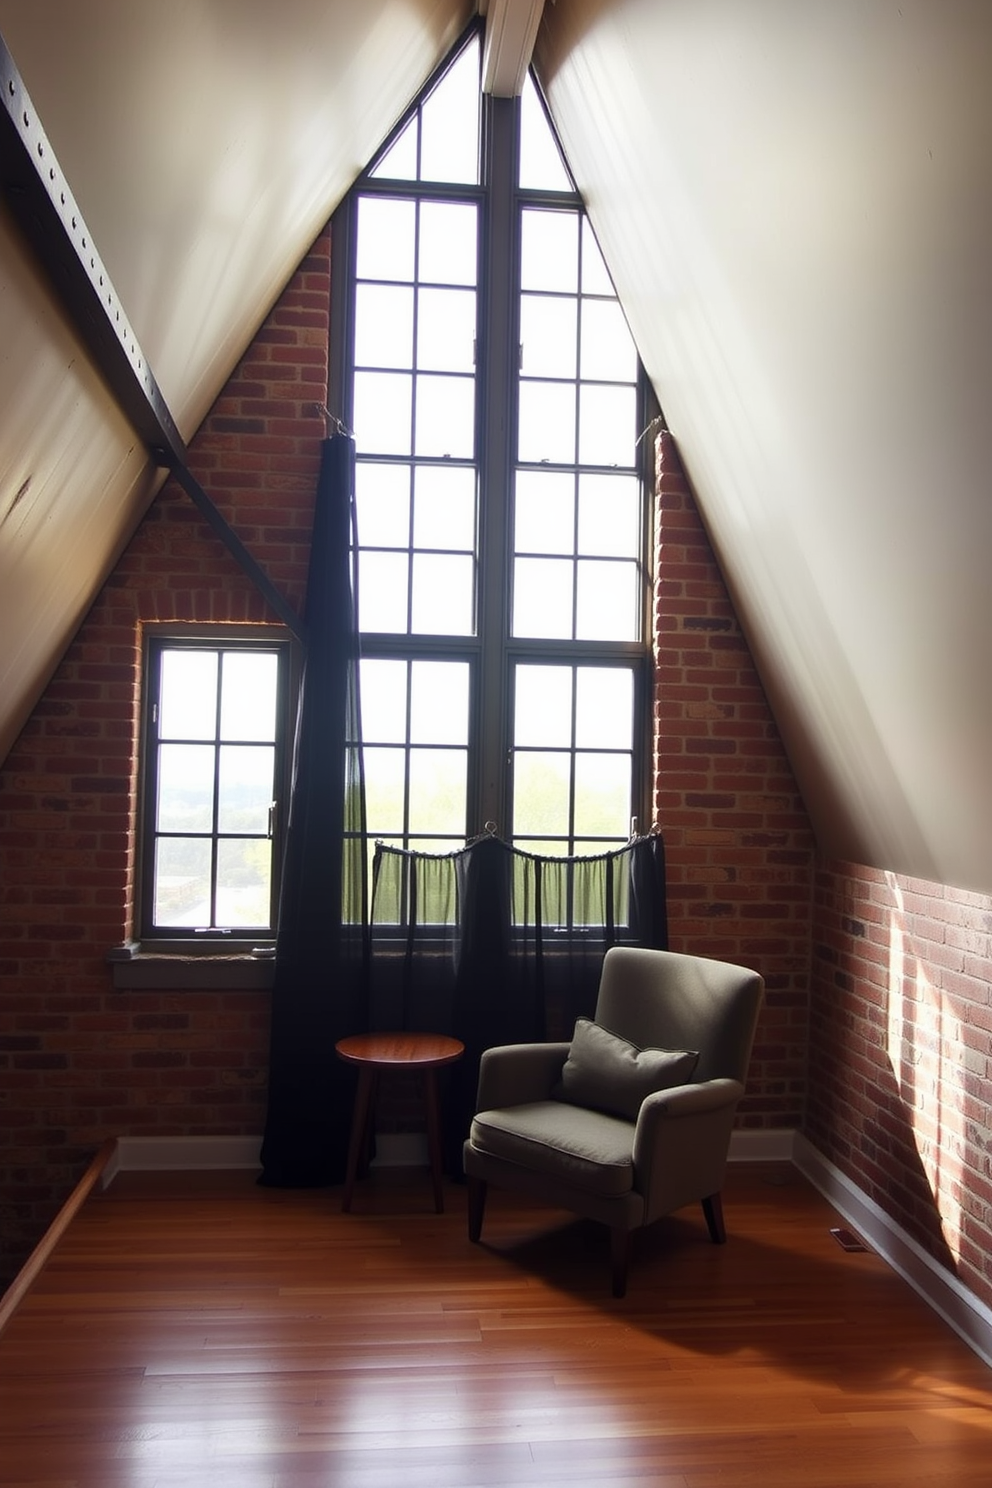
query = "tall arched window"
{"x": 497, "y": 399}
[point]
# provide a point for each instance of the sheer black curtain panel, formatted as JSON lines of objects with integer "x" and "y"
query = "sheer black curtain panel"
{"x": 319, "y": 994}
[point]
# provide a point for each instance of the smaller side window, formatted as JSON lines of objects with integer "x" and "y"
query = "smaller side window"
{"x": 214, "y": 779}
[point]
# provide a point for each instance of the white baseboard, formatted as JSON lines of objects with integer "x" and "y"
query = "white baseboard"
{"x": 161, "y": 1154}
{"x": 960, "y": 1308}
{"x": 401, "y": 1150}
{"x": 179, "y": 1154}
{"x": 392, "y": 1150}
{"x": 753, "y": 1145}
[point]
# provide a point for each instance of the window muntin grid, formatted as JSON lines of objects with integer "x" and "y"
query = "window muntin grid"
{"x": 214, "y": 772}
{"x": 459, "y": 563}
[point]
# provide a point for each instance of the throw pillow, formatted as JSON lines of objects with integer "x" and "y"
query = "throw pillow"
{"x": 608, "y": 1073}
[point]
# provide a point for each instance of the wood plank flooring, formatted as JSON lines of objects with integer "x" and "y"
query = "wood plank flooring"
{"x": 196, "y": 1331}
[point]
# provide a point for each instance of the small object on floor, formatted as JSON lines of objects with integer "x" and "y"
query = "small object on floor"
{"x": 847, "y": 1240}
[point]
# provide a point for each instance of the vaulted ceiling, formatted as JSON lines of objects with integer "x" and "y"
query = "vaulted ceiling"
{"x": 795, "y": 202}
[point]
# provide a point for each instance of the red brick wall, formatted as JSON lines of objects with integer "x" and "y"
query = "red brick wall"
{"x": 900, "y": 1095}
{"x": 78, "y": 1060}
{"x": 738, "y": 842}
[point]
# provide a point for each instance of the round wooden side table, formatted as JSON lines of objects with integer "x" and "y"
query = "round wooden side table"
{"x": 374, "y": 1052}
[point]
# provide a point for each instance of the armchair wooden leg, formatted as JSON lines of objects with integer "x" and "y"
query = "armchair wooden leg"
{"x": 713, "y": 1209}
{"x": 619, "y": 1256}
{"x": 476, "y": 1207}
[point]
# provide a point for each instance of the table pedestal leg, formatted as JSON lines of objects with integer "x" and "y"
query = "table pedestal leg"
{"x": 434, "y": 1135}
{"x": 357, "y": 1146}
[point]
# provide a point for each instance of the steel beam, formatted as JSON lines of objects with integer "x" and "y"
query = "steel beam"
{"x": 39, "y": 197}
{"x": 37, "y": 192}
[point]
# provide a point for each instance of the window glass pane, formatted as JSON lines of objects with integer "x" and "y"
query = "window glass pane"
{"x": 383, "y": 325}
{"x": 541, "y": 166}
{"x": 442, "y": 594}
{"x": 446, "y": 330}
{"x": 607, "y": 425}
{"x": 544, "y": 512}
{"x": 547, "y": 335}
{"x": 444, "y": 507}
{"x": 188, "y": 695}
{"x": 602, "y": 795}
{"x": 540, "y": 793}
{"x": 595, "y": 275}
{"x": 244, "y": 792}
{"x": 569, "y": 550}
{"x": 446, "y": 416}
{"x": 607, "y": 349}
{"x": 556, "y": 884}
{"x": 384, "y": 790}
{"x": 185, "y": 788}
{"x": 382, "y": 581}
{"x": 382, "y": 500}
{"x": 244, "y": 881}
{"x": 546, "y": 847}
{"x": 182, "y": 881}
{"x": 549, "y": 250}
{"x": 610, "y": 515}
{"x": 437, "y": 791}
{"x": 386, "y": 238}
{"x": 542, "y": 706}
{"x": 542, "y": 598}
{"x": 606, "y": 602}
{"x": 449, "y": 142}
{"x": 383, "y": 403}
{"x": 604, "y": 708}
{"x": 448, "y": 248}
{"x": 437, "y": 900}
{"x": 383, "y": 686}
{"x": 400, "y": 161}
{"x": 547, "y": 422}
{"x": 439, "y": 702}
{"x": 249, "y": 694}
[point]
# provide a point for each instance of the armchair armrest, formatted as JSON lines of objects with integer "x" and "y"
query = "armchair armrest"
{"x": 681, "y": 1143}
{"x": 687, "y": 1100}
{"x": 513, "y": 1074}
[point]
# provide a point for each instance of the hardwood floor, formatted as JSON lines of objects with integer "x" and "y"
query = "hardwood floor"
{"x": 197, "y": 1330}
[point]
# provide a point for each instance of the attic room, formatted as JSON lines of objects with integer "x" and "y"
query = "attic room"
{"x": 793, "y": 207}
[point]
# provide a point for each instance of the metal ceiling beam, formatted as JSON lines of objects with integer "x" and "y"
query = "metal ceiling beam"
{"x": 38, "y": 194}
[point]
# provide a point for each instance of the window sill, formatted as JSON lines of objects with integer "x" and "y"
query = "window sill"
{"x": 191, "y": 967}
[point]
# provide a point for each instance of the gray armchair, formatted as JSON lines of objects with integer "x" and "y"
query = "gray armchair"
{"x": 633, "y": 1118}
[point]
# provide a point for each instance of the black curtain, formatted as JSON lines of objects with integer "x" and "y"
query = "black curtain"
{"x": 319, "y": 994}
{"x": 495, "y": 946}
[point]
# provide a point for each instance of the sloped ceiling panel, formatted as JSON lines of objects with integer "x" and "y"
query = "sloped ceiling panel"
{"x": 796, "y": 204}
{"x": 206, "y": 143}
{"x": 72, "y": 475}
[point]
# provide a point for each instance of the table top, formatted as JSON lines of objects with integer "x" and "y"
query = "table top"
{"x": 425, "y": 1049}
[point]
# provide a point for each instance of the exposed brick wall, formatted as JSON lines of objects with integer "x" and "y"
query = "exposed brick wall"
{"x": 78, "y": 1060}
{"x": 738, "y": 842}
{"x": 900, "y": 1092}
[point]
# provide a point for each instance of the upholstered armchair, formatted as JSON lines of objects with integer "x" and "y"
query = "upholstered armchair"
{"x": 632, "y": 1119}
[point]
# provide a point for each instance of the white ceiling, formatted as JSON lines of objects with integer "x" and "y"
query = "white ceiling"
{"x": 796, "y": 204}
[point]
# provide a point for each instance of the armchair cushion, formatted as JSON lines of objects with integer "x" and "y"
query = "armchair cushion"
{"x": 584, "y": 1149}
{"x": 608, "y": 1073}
